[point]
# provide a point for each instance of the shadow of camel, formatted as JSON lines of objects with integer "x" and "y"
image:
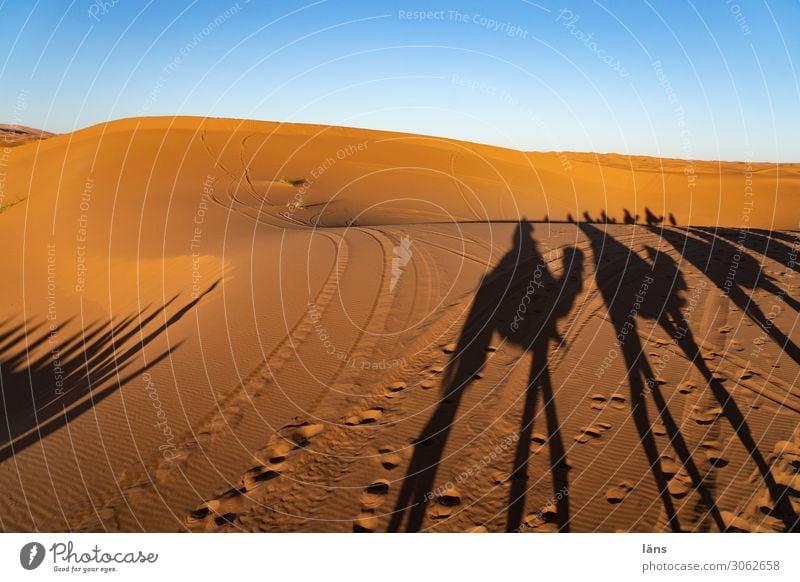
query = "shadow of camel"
{"x": 736, "y": 277}
{"x": 39, "y": 396}
{"x": 674, "y": 323}
{"x": 627, "y": 285}
{"x": 521, "y": 301}
{"x": 759, "y": 241}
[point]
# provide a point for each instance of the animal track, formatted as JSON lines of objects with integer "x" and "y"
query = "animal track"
{"x": 588, "y": 433}
{"x": 619, "y": 492}
{"x": 705, "y": 415}
{"x": 374, "y": 494}
{"x": 370, "y": 416}
{"x": 680, "y": 484}
{"x": 365, "y": 523}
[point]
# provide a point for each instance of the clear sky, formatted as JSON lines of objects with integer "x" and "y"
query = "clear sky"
{"x": 713, "y": 79}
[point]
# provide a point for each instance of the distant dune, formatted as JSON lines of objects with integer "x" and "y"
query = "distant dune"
{"x": 221, "y": 325}
{"x": 12, "y": 135}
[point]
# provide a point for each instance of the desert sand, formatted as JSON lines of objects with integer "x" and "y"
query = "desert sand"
{"x": 226, "y": 325}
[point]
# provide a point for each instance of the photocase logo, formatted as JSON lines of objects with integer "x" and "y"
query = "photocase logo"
{"x": 402, "y": 255}
{"x": 31, "y": 555}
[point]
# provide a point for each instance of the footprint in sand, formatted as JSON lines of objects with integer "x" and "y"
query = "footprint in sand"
{"x": 204, "y": 511}
{"x": 370, "y": 416}
{"x": 305, "y": 432}
{"x": 427, "y": 384}
{"x": 217, "y": 512}
{"x": 541, "y": 520}
{"x": 687, "y": 387}
{"x": 450, "y": 497}
{"x": 669, "y": 467}
{"x": 374, "y": 494}
{"x": 278, "y": 452}
{"x": 445, "y": 504}
{"x": 705, "y": 415}
{"x": 618, "y": 401}
{"x": 391, "y": 461}
{"x": 588, "y": 433}
{"x": 659, "y": 429}
{"x": 619, "y": 492}
{"x": 680, "y": 484}
{"x": 599, "y": 401}
{"x": 395, "y": 388}
{"x": 478, "y": 529}
{"x": 712, "y": 452}
{"x": 435, "y": 370}
{"x": 225, "y": 519}
{"x": 724, "y": 329}
{"x": 449, "y": 348}
{"x": 258, "y": 476}
{"x": 440, "y": 512}
{"x": 365, "y": 523}
{"x": 539, "y": 438}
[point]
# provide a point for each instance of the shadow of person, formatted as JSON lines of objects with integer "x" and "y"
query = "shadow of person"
{"x": 734, "y": 272}
{"x": 499, "y": 306}
{"x": 674, "y": 323}
{"x": 43, "y": 393}
{"x": 626, "y": 283}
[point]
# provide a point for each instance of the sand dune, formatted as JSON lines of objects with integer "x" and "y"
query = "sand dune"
{"x": 13, "y": 135}
{"x": 223, "y": 325}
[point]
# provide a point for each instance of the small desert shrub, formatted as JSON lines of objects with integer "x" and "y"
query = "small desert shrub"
{"x": 6, "y": 205}
{"x": 294, "y": 183}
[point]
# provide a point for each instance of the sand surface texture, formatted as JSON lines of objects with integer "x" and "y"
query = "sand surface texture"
{"x": 223, "y": 325}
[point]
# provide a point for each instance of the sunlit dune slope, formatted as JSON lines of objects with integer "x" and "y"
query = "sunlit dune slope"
{"x": 214, "y": 324}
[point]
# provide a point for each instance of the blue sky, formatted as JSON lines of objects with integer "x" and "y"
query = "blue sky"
{"x": 714, "y": 79}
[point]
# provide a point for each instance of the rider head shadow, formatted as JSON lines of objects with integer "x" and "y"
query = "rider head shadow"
{"x": 503, "y": 306}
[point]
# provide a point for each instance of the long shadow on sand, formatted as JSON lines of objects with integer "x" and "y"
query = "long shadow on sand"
{"x": 73, "y": 374}
{"x": 764, "y": 242}
{"x": 673, "y": 323}
{"x": 521, "y": 301}
{"x": 627, "y": 284}
{"x": 736, "y": 273}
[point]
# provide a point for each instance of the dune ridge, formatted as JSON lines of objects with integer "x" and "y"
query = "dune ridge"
{"x": 227, "y": 325}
